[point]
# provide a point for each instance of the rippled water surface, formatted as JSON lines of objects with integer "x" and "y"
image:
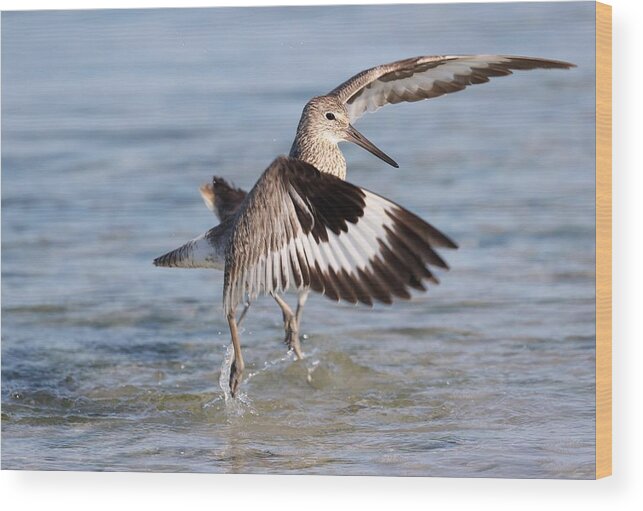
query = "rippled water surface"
{"x": 110, "y": 122}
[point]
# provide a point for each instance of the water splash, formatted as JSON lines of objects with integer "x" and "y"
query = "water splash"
{"x": 232, "y": 407}
{"x": 241, "y": 404}
{"x": 310, "y": 369}
{"x": 224, "y": 375}
{"x": 268, "y": 364}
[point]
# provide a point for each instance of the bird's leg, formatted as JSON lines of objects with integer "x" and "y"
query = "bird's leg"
{"x": 243, "y": 312}
{"x": 236, "y": 369}
{"x": 301, "y": 301}
{"x": 290, "y": 327}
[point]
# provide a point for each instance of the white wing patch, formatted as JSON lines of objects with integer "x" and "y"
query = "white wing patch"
{"x": 345, "y": 253}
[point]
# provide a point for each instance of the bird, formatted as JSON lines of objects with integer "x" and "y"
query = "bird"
{"x": 328, "y": 120}
{"x": 300, "y": 228}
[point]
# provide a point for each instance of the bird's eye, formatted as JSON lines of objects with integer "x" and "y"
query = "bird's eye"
{"x": 330, "y": 116}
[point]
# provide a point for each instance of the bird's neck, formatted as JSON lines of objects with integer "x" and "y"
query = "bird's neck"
{"x": 323, "y": 154}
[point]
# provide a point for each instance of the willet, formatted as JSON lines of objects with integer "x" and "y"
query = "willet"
{"x": 299, "y": 228}
{"x": 292, "y": 238}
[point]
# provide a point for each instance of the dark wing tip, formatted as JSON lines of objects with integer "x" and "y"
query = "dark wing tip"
{"x": 449, "y": 243}
{"x": 519, "y": 63}
{"x": 561, "y": 64}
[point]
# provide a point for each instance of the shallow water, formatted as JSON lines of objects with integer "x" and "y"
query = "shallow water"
{"x": 110, "y": 122}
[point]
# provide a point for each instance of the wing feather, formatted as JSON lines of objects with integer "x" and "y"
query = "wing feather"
{"x": 302, "y": 229}
{"x": 428, "y": 77}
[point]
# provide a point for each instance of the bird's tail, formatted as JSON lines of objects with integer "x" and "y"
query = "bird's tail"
{"x": 206, "y": 251}
{"x": 222, "y": 198}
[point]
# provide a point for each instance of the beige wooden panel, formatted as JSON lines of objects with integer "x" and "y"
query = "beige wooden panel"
{"x": 603, "y": 240}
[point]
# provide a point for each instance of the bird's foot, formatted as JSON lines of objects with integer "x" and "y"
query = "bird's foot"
{"x": 235, "y": 378}
{"x": 291, "y": 340}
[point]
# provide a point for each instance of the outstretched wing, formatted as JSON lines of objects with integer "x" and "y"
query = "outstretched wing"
{"x": 302, "y": 228}
{"x": 427, "y": 77}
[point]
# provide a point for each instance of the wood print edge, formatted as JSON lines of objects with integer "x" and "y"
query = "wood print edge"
{"x": 603, "y": 240}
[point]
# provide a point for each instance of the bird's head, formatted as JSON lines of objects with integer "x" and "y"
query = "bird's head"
{"x": 326, "y": 117}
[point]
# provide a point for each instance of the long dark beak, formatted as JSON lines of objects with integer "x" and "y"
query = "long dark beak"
{"x": 352, "y": 135}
